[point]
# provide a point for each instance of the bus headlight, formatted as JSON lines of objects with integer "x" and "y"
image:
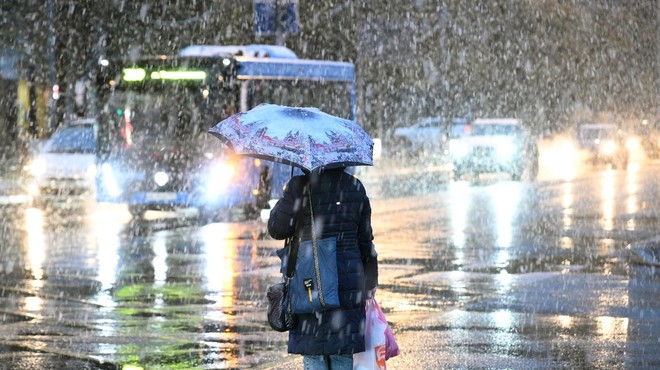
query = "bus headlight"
{"x": 161, "y": 178}
{"x": 221, "y": 175}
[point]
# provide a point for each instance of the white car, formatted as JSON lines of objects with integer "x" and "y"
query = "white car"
{"x": 66, "y": 164}
{"x": 495, "y": 145}
{"x": 426, "y": 137}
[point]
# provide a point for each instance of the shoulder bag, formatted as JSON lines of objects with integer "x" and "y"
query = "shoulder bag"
{"x": 279, "y": 313}
{"x": 314, "y": 285}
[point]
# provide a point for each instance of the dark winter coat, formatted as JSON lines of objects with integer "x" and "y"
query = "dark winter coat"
{"x": 342, "y": 207}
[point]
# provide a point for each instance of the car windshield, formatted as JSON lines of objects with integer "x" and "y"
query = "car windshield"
{"x": 73, "y": 139}
{"x": 490, "y": 130}
{"x": 159, "y": 114}
{"x": 596, "y": 133}
{"x": 457, "y": 130}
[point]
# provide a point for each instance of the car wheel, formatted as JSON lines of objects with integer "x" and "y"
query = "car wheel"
{"x": 652, "y": 151}
{"x": 458, "y": 172}
{"x": 533, "y": 172}
{"x": 533, "y": 169}
{"x": 619, "y": 163}
{"x": 137, "y": 212}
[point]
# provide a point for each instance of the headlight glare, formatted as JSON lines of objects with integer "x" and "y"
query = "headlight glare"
{"x": 608, "y": 147}
{"x": 161, "y": 178}
{"x": 505, "y": 150}
{"x": 221, "y": 175}
{"x": 458, "y": 149}
{"x": 38, "y": 167}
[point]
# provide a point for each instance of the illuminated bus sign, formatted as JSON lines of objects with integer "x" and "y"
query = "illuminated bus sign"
{"x": 178, "y": 75}
{"x": 134, "y": 74}
{"x": 139, "y": 74}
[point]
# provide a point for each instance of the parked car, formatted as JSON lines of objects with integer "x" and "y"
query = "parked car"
{"x": 427, "y": 137}
{"x": 495, "y": 145}
{"x": 66, "y": 164}
{"x": 605, "y": 144}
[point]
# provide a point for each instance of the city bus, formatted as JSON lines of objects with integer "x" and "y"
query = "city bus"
{"x": 153, "y": 149}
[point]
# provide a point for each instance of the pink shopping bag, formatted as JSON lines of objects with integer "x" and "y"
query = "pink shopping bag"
{"x": 392, "y": 349}
{"x": 380, "y": 344}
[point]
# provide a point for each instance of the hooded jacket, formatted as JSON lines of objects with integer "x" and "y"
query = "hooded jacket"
{"x": 341, "y": 209}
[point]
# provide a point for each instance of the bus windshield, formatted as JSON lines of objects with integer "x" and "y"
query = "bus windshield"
{"x": 153, "y": 144}
{"x": 179, "y": 113}
{"x": 183, "y": 112}
{"x": 331, "y": 97}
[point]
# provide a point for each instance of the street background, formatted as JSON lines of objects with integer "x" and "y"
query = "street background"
{"x": 486, "y": 273}
{"x": 549, "y": 63}
{"x": 557, "y": 272}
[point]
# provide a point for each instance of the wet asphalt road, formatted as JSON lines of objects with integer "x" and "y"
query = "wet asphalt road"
{"x": 484, "y": 273}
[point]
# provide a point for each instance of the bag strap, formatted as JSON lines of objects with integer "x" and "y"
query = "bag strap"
{"x": 315, "y": 251}
{"x": 295, "y": 239}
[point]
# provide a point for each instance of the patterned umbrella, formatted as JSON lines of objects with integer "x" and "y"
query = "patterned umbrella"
{"x": 303, "y": 137}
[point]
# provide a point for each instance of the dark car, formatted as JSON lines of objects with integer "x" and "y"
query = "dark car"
{"x": 605, "y": 144}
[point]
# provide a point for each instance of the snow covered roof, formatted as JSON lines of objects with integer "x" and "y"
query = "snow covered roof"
{"x": 497, "y": 121}
{"x": 273, "y": 61}
{"x": 253, "y": 50}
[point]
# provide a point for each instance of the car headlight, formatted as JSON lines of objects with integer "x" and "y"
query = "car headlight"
{"x": 458, "y": 149}
{"x": 38, "y": 167}
{"x": 608, "y": 147}
{"x": 505, "y": 150}
{"x": 633, "y": 144}
{"x": 221, "y": 175}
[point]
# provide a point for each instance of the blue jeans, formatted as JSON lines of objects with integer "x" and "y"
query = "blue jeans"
{"x": 332, "y": 362}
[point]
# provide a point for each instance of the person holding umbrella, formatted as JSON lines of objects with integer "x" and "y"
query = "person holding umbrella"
{"x": 334, "y": 204}
{"x": 341, "y": 209}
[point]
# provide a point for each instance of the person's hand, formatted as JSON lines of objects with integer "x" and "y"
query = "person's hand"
{"x": 371, "y": 293}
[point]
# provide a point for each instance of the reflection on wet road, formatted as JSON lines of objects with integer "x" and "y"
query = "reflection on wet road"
{"x": 89, "y": 286}
{"x": 528, "y": 275}
{"x": 512, "y": 274}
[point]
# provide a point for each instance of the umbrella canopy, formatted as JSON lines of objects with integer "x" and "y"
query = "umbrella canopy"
{"x": 303, "y": 137}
